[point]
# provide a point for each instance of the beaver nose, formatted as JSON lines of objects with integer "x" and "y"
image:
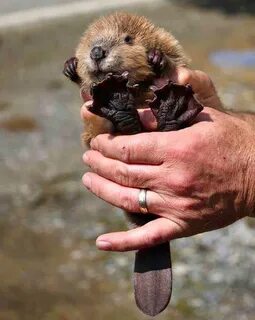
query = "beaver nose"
{"x": 97, "y": 53}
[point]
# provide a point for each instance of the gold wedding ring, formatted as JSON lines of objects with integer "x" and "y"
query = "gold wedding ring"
{"x": 142, "y": 199}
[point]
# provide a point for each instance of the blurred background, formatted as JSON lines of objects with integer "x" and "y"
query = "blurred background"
{"x": 50, "y": 268}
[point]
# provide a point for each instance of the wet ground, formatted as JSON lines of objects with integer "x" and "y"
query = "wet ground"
{"x": 49, "y": 266}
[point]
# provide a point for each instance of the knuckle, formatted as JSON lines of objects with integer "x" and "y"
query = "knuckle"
{"x": 152, "y": 238}
{"x": 94, "y": 144}
{"x": 186, "y": 76}
{"x": 193, "y": 144}
{"x": 210, "y": 82}
{"x": 190, "y": 204}
{"x": 207, "y": 80}
{"x": 95, "y": 188}
{"x": 187, "y": 148}
{"x": 139, "y": 179}
{"x": 130, "y": 177}
{"x": 182, "y": 183}
{"x": 201, "y": 74}
{"x": 122, "y": 174}
{"x": 179, "y": 152}
{"x": 124, "y": 245}
{"x": 126, "y": 202}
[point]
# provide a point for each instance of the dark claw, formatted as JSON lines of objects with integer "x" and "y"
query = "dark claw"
{"x": 174, "y": 106}
{"x": 134, "y": 89}
{"x": 114, "y": 99}
{"x": 70, "y": 72}
{"x": 157, "y": 60}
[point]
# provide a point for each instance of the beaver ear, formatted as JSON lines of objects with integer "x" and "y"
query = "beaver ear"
{"x": 70, "y": 72}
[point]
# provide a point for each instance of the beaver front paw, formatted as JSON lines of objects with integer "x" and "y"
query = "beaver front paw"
{"x": 114, "y": 99}
{"x": 70, "y": 72}
{"x": 157, "y": 60}
{"x": 174, "y": 106}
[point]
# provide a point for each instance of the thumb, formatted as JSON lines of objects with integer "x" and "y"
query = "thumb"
{"x": 148, "y": 120}
{"x": 85, "y": 113}
{"x": 154, "y": 232}
{"x": 202, "y": 86}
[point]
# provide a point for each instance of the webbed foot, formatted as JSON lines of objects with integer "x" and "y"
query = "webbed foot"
{"x": 174, "y": 106}
{"x": 114, "y": 99}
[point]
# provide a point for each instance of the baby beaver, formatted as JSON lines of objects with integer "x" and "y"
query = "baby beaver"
{"x": 117, "y": 61}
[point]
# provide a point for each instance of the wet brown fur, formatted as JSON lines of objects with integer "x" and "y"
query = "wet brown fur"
{"x": 132, "y": 58}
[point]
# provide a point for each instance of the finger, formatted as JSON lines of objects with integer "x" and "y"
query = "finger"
{"x": 155, "y": 232}
{"x": 197, "y": 79}
{"x": 148, "y": 119}
{"x": 201, "y": 84}
{"x": 141, "y": 148}
{"x": 94, "y": 124}
{"x": 122, "y": 197}
{"x": 85, "y": 113}
{"x": 129, "y": 175}
{"x": 85, "y": 96}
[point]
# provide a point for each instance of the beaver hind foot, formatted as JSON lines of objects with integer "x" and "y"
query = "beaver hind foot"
{"x": 174, "y": 106}
{"x": 114, "y": 99}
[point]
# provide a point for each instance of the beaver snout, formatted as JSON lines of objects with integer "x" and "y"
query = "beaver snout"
{"x": 97, "y": 53}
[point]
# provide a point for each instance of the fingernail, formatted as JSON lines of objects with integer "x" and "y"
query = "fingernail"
{"x": 103, "y": 245}
{"x": 87, "y": 181}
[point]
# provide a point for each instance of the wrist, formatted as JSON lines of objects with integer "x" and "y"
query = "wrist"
{"x": 251, "y": 211}
{"x": 244, "y": 160}
{"x": 249, "y": 118}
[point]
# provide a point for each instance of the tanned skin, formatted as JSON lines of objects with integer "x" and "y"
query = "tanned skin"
{"x": 129, "y": 43}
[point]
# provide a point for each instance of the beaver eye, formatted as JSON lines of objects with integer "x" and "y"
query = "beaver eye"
{"x": 128, "y": 39}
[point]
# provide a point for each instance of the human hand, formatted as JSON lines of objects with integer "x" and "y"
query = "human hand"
{"x": 199, "y": 178}
{"x": 202, "y": 86}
